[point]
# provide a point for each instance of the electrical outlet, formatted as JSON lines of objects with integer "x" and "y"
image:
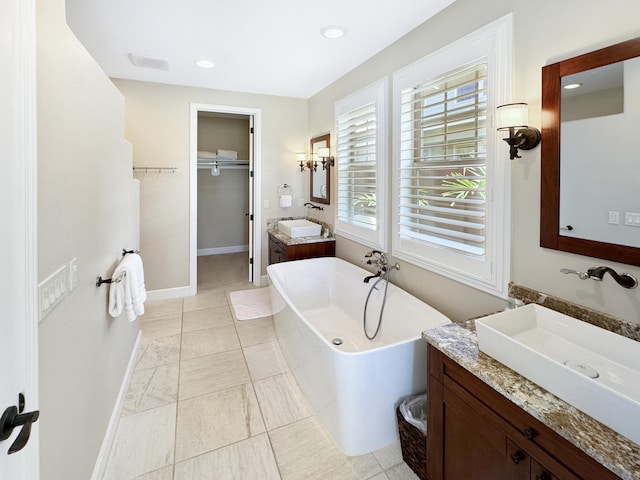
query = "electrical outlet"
{"x": 614, "y": 217}
{"x": 632, "y": 219}
{"x": 52, "y": 290}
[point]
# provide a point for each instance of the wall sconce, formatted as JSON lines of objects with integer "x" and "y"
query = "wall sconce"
{"x": 301, "y": 158}
{"x": 325, "y": 154}
{"x": 514, "y": 116}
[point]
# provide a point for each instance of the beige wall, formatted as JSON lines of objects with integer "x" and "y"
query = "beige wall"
{"x": 87, "y": 210}
{"x": 223, "y": 200}
{"x": 158, "y": 126}
{"x": 543, "y": 33}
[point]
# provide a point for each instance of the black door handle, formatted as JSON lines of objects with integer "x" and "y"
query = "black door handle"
{"x": 13, "y": 418}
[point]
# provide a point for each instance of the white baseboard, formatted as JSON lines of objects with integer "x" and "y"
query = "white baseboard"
{"x": 105, "y": 448}
{"x": 221, "y": 250}
{"x": 168, "y": 293}
{"x": 264, "y": 280}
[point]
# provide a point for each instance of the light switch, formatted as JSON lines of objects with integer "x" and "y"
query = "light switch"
{"x": 52, "y": 290}
{"x": 614, "y": 217}
{"x": 73, "y": 274}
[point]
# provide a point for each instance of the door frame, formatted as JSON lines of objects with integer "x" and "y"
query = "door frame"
{"x": 256, "y": 232}
{"x": 20, "y": 177}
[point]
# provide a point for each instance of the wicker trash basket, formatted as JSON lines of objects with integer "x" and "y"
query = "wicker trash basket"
{"x": 413, "y": 443}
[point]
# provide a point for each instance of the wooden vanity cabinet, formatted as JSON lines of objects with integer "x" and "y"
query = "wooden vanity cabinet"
{"x": 279, "y": 251}
{"x": 474, "y": 433}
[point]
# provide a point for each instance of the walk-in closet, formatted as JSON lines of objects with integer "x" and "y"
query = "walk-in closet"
{"x": 224, "y": 149}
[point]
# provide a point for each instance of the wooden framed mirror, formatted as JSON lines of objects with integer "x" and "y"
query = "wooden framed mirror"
{"x": 320, "y": 178}
{"x": 590, "y": 178}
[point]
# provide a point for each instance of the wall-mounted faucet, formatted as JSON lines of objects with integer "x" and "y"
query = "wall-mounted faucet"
{"x": 625, "y": 280}
{"x": 315, "y": 207}
{"x": 379, "y": 259}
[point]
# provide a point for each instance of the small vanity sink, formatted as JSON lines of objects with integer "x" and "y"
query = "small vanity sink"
{"x": 299, "y": 228}
{"x": 594, "y": 370}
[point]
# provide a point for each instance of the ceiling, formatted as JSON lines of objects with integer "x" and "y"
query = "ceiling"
{"x": 267, "y": 47}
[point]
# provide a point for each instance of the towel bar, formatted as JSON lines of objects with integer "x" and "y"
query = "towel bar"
{"x": 100, "y": 280}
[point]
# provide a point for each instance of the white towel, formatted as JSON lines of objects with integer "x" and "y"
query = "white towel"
{"x": 203, "y": 154}
{"x": 129, "y": 294}
{"x": 286, "y": 201}
{"x": 228, "y": 154}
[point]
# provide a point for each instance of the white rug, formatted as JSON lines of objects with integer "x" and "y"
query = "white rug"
{"x": 250, "y": 304}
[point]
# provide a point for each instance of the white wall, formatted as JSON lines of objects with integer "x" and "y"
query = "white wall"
{"x": 87, "y": 210}
{"x": 544, "y": 33}
{"x": 157, "y": 124}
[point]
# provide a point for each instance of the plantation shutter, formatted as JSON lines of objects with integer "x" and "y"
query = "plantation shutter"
{"x": 442, "y": 177}
{"x": 357, "y": 166}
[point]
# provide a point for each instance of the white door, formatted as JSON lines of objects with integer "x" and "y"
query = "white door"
{"x": 18, "y": 271}
{"x": 251, "y": 206}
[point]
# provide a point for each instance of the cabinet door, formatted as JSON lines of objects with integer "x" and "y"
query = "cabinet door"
{"x": 277, "y": 252}
{"x": 475, "y": 449}
{"x": 538, "y": 472}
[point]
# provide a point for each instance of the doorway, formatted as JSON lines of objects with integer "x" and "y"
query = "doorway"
{"x": 224, "y": 186}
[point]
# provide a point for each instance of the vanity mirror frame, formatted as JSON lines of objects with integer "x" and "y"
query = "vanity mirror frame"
{"x": 322, "y": 138}
{"x": 550, "y": 155}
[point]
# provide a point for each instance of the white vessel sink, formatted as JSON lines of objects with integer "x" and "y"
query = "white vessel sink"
{"x": 299, "y": 228}
{"x": 594, "y": 370}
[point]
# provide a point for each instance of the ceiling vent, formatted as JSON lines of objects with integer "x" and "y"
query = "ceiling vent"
{"x": 146, "y": 62}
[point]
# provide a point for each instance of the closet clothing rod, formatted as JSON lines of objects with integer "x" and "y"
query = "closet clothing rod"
{"x": 155, "y": 169}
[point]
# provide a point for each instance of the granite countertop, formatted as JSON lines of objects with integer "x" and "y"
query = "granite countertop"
{"x": 458, "y": 341}
{"x": 286, "y": 239}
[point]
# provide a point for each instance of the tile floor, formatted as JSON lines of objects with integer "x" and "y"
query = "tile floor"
{"x": 211, "y": 398}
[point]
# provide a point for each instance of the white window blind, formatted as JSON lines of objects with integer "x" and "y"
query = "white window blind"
{"x": 451, "y": 199}
{"x": 360, "y": 131}
{"x": 443, "y": 160}
{"x": 356, "y": 150}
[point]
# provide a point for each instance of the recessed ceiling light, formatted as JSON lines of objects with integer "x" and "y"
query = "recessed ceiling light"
{"x": 333, "y": 31}
{"x": 205, "y": 63}
{"x": 571, "y": 86}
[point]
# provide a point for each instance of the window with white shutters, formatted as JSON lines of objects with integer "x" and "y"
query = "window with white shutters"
{"x": 443, "y": 160}
{"x": 360, "y": 132}
{"x": 451, "y": 198}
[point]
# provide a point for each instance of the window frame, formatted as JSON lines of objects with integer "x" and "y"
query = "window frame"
{"x": 491, "y": 272}
{"x": 376, "y": 236}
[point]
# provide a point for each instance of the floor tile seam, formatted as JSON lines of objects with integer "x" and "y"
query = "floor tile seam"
{"x": 199, "y": 309}
{"x": 262, "y": 416}
{"x": 202, "y": 328}
{"x": 158, "y": 337}
{"x": 146, "y": 319}
{"x": 175, "y": 433}
{"x": 221, "y": 447}
{"x": 254, "y": 380}
{"x": 207, "y": 354}
{"x": 218, "y": 391}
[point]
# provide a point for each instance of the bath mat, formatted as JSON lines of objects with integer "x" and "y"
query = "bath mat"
{"x": 250, "y": 304}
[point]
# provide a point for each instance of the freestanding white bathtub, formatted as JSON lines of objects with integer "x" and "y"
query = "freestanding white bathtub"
{"x": 353, "y": 387}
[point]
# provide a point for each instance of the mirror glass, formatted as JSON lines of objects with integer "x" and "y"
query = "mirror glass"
{"x": 589, "y": 200}
{"x": 320, "y": 175}
{"x": 599, "y": 175}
